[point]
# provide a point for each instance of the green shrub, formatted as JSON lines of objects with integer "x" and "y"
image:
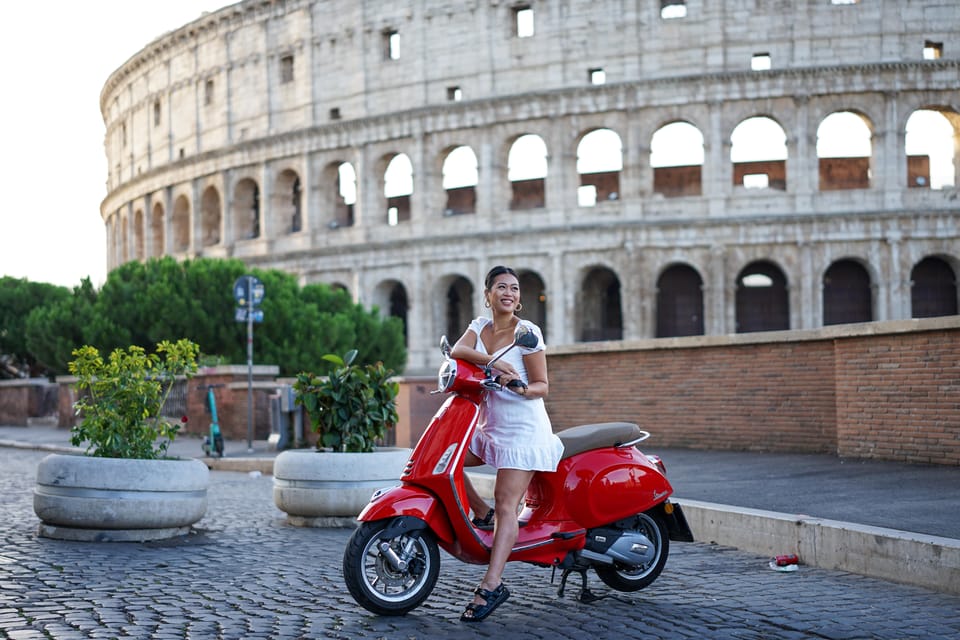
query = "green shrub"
{"x": 352, "y": 408}
{"x": 122, "y": 398}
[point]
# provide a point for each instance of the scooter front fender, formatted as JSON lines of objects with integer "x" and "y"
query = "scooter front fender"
{"x": 407, "y": 500}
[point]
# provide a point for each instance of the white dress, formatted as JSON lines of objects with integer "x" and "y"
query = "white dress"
{"x": 514, "y": 431}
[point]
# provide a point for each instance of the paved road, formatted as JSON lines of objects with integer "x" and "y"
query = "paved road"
{"x": 246, "y": 574}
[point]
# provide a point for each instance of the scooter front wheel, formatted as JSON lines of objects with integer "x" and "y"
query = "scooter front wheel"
{"x": 624, "y": 577}
{"x": 390, "y": 576}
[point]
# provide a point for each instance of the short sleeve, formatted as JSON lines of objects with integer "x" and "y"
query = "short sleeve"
{"x": 477, "y": 325}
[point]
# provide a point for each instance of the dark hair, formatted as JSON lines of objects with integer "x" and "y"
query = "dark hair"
{"x": 498, "y": 270}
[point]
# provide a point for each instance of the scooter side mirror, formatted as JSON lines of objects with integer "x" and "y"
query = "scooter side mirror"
{"x": 444, "y": 346}
{"x": 524, "y": 337}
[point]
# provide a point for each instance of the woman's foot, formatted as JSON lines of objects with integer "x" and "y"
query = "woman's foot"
{"x": 486, "y": 522}
{"x": 484, "y": 603}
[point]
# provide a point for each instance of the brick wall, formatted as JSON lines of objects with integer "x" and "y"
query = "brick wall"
{"x": 898, "y": 397}
{"x": 886, "y": 390}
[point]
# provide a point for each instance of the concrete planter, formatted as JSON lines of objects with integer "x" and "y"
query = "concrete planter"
{"x": 322, "y": 488}
{"x": 117, "y": 500}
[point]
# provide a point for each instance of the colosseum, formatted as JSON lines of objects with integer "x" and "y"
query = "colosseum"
{"x": 652, "y": 168}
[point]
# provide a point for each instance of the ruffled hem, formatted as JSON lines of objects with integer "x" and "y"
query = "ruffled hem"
{"x": 543, "y": 458}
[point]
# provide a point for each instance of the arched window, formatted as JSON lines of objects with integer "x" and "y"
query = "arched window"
{"x": 601, "y": 317}
{"x": 930, "y": 143}
{"x": 124, "y": 239}
{"x": 460, "y": 178}
{"x": 459, "y": 307}
{"x": 761, "y": 300}
{"x": 679, "y": 302}
{"x": 676, "y": 155}
{"x": 391, "y": 297}
{"x": 156, "y": 231}
{"x": 527, "y": 172}
{"x": 844, "y": 148}
{"x": 246, "y": 209}
{"x": 846, "y": 293}
{"x": 933, "y": 289}
{"x": 533, "y": 297}
{"x": 210, "y": 216}
{"x": 599, "y": 162}
{"x": 287, "y": 211}
{"x": 397, "y": 188}
{"x": 181, "y": 224}
{"x": 344, "y": 194}
{"x": 758, "y": 152}
{"x": 138, "y": 233}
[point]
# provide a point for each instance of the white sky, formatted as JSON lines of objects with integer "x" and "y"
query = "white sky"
{"x": 55, "y": 57}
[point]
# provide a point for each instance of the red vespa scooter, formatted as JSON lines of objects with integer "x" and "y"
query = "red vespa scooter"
{"x": 606, "y": 506}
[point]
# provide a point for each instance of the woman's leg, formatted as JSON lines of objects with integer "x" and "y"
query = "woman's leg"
{"x": 510, "y": 489}
{"x": 477, "y": 504}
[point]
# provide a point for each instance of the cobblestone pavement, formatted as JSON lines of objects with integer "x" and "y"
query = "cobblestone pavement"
{"x": 246, "y": 574}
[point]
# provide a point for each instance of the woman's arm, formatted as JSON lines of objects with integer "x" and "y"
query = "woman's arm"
{"x": 537, "y": 384}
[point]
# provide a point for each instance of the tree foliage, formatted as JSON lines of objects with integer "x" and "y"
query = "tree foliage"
{"x": 145, "y": 303}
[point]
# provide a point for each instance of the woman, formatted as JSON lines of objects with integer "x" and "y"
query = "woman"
{"x": 514, "y": 435}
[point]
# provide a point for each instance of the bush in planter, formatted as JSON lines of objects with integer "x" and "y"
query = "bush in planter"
{"x": 352, "y": 408}
{"x": 122, "y": 398}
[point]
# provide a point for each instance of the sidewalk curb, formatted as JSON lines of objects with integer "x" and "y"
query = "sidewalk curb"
{"x": 921, "y": 560}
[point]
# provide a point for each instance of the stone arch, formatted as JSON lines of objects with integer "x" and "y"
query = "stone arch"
{"x": 340, "y": 192}
{"x": 847, "y": 293}
{"x": 124, "y": 238}
{"x": 762, "y": 303}
{"x": 460, "y": 178}
{"x": 931, "y": 143}
{"x": 533, "y": 297}
{"x": 457, "y": 310}
{"x": 286, "y": 204}
{"x": 933, "y": 288}
{"x": 599, "y": 310}
{"x": 156, "y": 231}
{"x": 391, "y": 298}
{"x": 527, "y": 170}
{"x": 844, "y": 160}
{"x": 180, "y": 222}
{"x": 246, "y": 209}
{"x": 210, "y": 216}
{"x": 758, "y": 151}
{"x": 676, "y": 156}
{"x": 138, "y": 234}
{"x": 679, "y": 302}
{"x": 398, "y": 188}
{"x": 599, "y": 163}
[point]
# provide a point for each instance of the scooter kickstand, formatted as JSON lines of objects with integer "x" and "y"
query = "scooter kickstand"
{"x": 586, "y": 595}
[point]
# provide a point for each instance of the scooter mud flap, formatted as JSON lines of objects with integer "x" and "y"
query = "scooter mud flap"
{"x": 677, "y": 527}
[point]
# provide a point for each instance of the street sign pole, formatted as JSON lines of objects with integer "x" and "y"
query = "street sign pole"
{"x": 250, "y": 364}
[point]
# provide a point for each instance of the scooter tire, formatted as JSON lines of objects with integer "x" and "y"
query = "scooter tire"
{"x": 218, "y": 445}
{"x": 375, "y": 584}
{"x": 630, "y": 578}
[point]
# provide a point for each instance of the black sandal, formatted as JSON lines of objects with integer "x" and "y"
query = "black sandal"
{"x": 492, "y": 599}
{"x": 485, "y": 523}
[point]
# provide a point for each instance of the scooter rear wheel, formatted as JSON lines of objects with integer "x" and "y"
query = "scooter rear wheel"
{"x": 633, "y": 578}
{"x": 375, "y": 583}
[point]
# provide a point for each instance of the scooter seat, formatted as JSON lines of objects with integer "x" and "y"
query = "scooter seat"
{"x": 596, "y": 436}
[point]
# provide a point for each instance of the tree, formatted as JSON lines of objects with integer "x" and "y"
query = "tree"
{"x": 18, "y": 297}
{"x": 54, "y": 330}
{"x": 144, "y": 303}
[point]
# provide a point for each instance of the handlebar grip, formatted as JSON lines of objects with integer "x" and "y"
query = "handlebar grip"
{"x": 517, "y": 383}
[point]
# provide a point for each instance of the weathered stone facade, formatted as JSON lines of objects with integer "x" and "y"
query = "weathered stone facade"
{"x": 226, "y": 138}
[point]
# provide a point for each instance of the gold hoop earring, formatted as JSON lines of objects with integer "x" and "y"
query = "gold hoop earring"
{"x": 519, "y": 306}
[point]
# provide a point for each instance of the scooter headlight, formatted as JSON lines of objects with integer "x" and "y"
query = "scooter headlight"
{"x": 447, "y": 374}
